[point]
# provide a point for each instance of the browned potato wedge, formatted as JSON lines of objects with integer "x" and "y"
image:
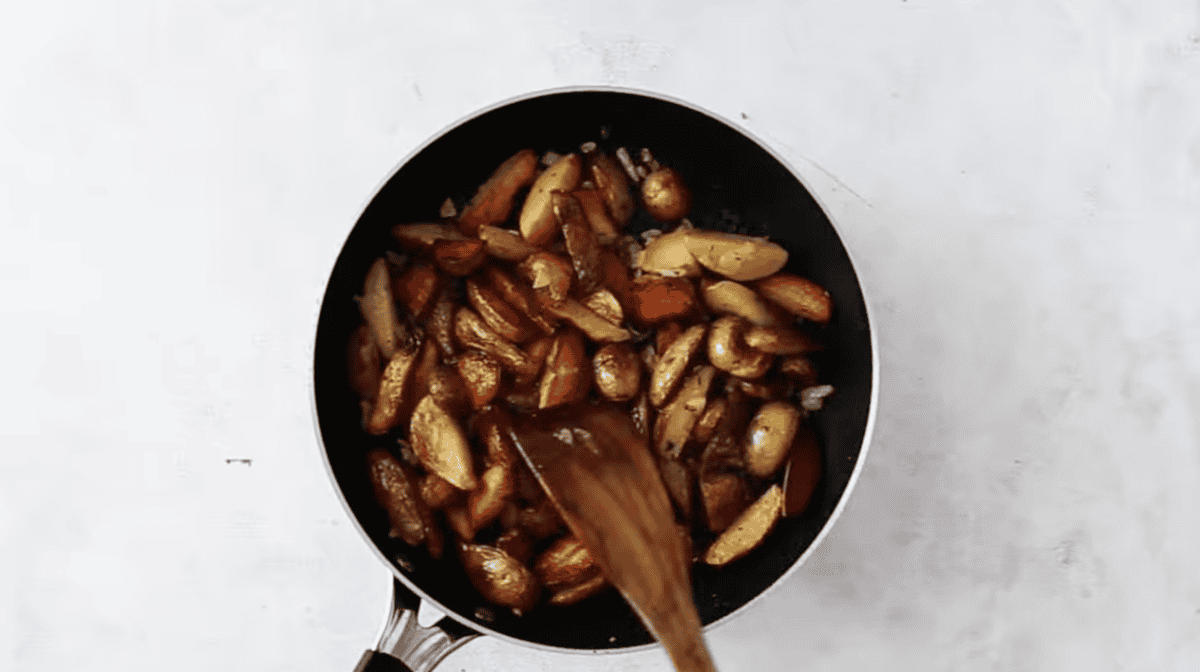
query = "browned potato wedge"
{"x": 597, "y": 328}
{"x": 724, "y": 450}
{"x": 678, "y": 418}
{"x": 481, "y": 374}
{"x": 493, "y": 424}
{"x": 494, "y": 491}
{"x": 438, "y": 493}
{"x": 672, "y": 364}
{"x": 725, "y": 496}
{"x": 613, "y": 186}
{"x": 616, "y": 276}
{"x": 597, "y": 215}
{"x": 566, "y": 377}
{"x": 641, "y": 415}
{"x": 549, "y": 275}
{"x": 537, "y": 215}
{"x": 541, "y": 520}
{"x": 499, "y": 577}
{"x": 505, "y": 243}
{"x": 748, "y": 531}
{"x": 781, "y": 340}
{"x": 379, "y": 309}
{"x": 460, "y": 522}
{"x": 364, "y": 365}
{"x": 618, "y": 373}
{"x": 678, "y": 479}
{"x": 727, "y": 350}
{"x": 801, "y": 369}
{"x": 798, "y": 296}
{"x": 441, "y": 325}
{"x": 448, "y": 391}
{"x": 580, "y": 591}
{"x": 520, "y": 297}
{"x": 422, "y": 237}
{"x": 605, "y": 304}
{"x": 731, "y": 298}
{"x": 393, "y": 389}
{"x": 736, "y": 257}
{"x": 666, "y": 334}
{"x": 417, "y": 289}
{"x": 581, "y": 241}
{"x": 665, "y": 195}
{"x": 769, "y": 437}
{"x": 473, "y": 332}
{"x": 393, "y": 482}
{"x": 566, "y": 562}
{"x": 440, "y": 444}
{"x": 537, "y": 351}
{"x": 517, "y": 543}
{"x": 766, "y": 391}
{"x": 649, "y": 357}
{"x": 494, "y": 200}
{"x": 707, "y": 424}
{"x": 459, "y": 257}
{"x": 802, "y": 473}
{"x": 669, "y": 255}
{"x": 501, "y": 317}
{"x": 654, "y": 299}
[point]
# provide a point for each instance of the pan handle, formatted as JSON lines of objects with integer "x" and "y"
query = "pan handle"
{"x": 405, "y": 646}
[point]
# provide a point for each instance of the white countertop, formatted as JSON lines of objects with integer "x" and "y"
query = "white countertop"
{"x": 1019, "y": 183}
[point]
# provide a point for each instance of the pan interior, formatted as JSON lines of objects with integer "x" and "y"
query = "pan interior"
{"x": 737, "y": 186}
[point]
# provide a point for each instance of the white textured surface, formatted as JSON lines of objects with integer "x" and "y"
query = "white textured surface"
{"x": 1019, "y": 181}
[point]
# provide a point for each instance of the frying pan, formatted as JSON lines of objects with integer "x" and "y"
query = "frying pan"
{"x": 738, "y": 185}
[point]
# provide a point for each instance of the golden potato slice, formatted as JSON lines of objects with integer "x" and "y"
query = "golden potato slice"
{"x": 581, "y": 242}
{"x": 441, "y": 325}
{"x": 800, "y": 369}
{"x": 537, "y": 215}
{"x": 725, "y": 496}
{"x": 723, "y": 452}
{"x": 493, "y": 425}
{"x": 417, "y": 289}
{"x": 678, "y": 480}
{"x": 799, "y": 296}
{"x": 566, "y": 562}
{"x": 423, "y": 372}
{"x": 363, "y": 363}
{"x": 541, "y": 520}
{"x": 438, "y": 493}
{"x": 460, "y": 522}
{"x": 665, "y": 196}
{"x": 714, "y": 412}
{"x": 668, "y": 255}
{"x": 678, "y": 418}
{"x": 393, "y": 390}
{"x": 536, "y": 350}
{"x": 802, "y": 473}
{"x": 501, "y": 317}
{"x": 613, "y": 186}
{"x": 666, "y": 334}
{"x": 641, "y": 415}
{"x": 597, "y": 328}
{"x": 481, "y": 374}
{"x": 505, "y": 243}
{"x": 566, "y": 376}
{"x": 615, "y": 276}
{"x": 550, "y": 276}
{"x": 671, "y": 364}
{"x": 597, "y": 215}
{"x": 748, "y": 531}
{"x": 459, "y": 257}
{"x": 769, "y": 437}
{"x": 618, "y": 374}
{"x": 379, "y": 309}
{"x": 393, "y": 482}
{"x": 727, "y": 350}
{"x": 741, "y": 258}
{"x": 422, "y": 237}
{"x": 605, "y": 304}
{"x": 441, "y": 445}
{"x": 731, "y": 298}
{"x": 781, "y": 340}
{"x": 579, "y": 592}
{"x": 499, "y": 577}
{"x": 472, "y": 332}
{"x": 521, "y": 297}
{"x": 517, "y": 543}
{"x": 448, "y": 391}
{"x": 494, "y": 492}
{"x": 493, "y": 200}
{"x": 654, "y": 299}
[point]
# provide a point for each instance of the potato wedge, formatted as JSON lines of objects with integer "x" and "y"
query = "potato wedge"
{"x": 772, "y": 391}
{"x": 459, "y": 257}
{"x": 605, "y": 304}
{"x": 493, "y": 200}
{"x": 472, "y": 332}
{"x": 537, "y": 215}
{"x": 665, "y": 196}
{"x": 501, "y": 317}
{"x": 441, "y": 445}
{"x": 393, "y": 390}
{"x": 536, "y": 350}
{"x": 438, "y": 493}
{"x": 505, "y": 244}
{"x": 566, "y": 562}
{"x": 596, "y": 214}
{"x": 448, "y": 391}
{"x": 517, "y": 543}
{"x": 654, "y": 299}
{"x": 492, "y": 425}
{"x": 597, "y": 328}
{"x": 481, "y": 375}
{"x": 617, "y": 372}
{"x": 521, "y": 297}
{"x": 581, "y": 242}
{"x": 422, "y": 237}
{"x": 613, "y": 186}
{"x": 769, "y": 437}
{"x": 499, "y": 577}
{"x": 666, "y": 334}
{"x": 731, "y": 298}
{"x": 727, "y": 349}
{"x": 379, "y": 309}
{"x": 677, "y": 419}
{"x": 668, "y": 255}
{"x": 642, "y": 416}
{"x": 749, "y": 530}
{"x": 725, "y": 496}
{"x": 800, "y": 369}
{"x": 741, "y": 258}
{"x": 459, "y": 520}
{"x": 671, "y": 364}
{"x": 713, "y": 413}
{"x": 799, "y": 296}
{"x": 363, "y": 363}
{"x": 678, "y": 480}
{"x": 417, "y": 289}
{"x": 781, "y": 340}
{"x": 550, "y": 276}
{"x": 494, "y": 492}
{"x": 802, "y": 473}
{"x": 393, "y": 482}
{"x": 441, "y": 325}
{"x": 566, "y": 377}
{"x": 579, "y": 592}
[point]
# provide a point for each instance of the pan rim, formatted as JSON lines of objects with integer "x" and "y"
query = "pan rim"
{"x": 872, "y": 409}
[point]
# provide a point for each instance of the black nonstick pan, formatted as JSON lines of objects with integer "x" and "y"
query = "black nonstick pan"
{"x": 738, "y": 185}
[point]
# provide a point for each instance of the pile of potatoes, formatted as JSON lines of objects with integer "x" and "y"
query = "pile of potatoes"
{"x": 534, "y": 297}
